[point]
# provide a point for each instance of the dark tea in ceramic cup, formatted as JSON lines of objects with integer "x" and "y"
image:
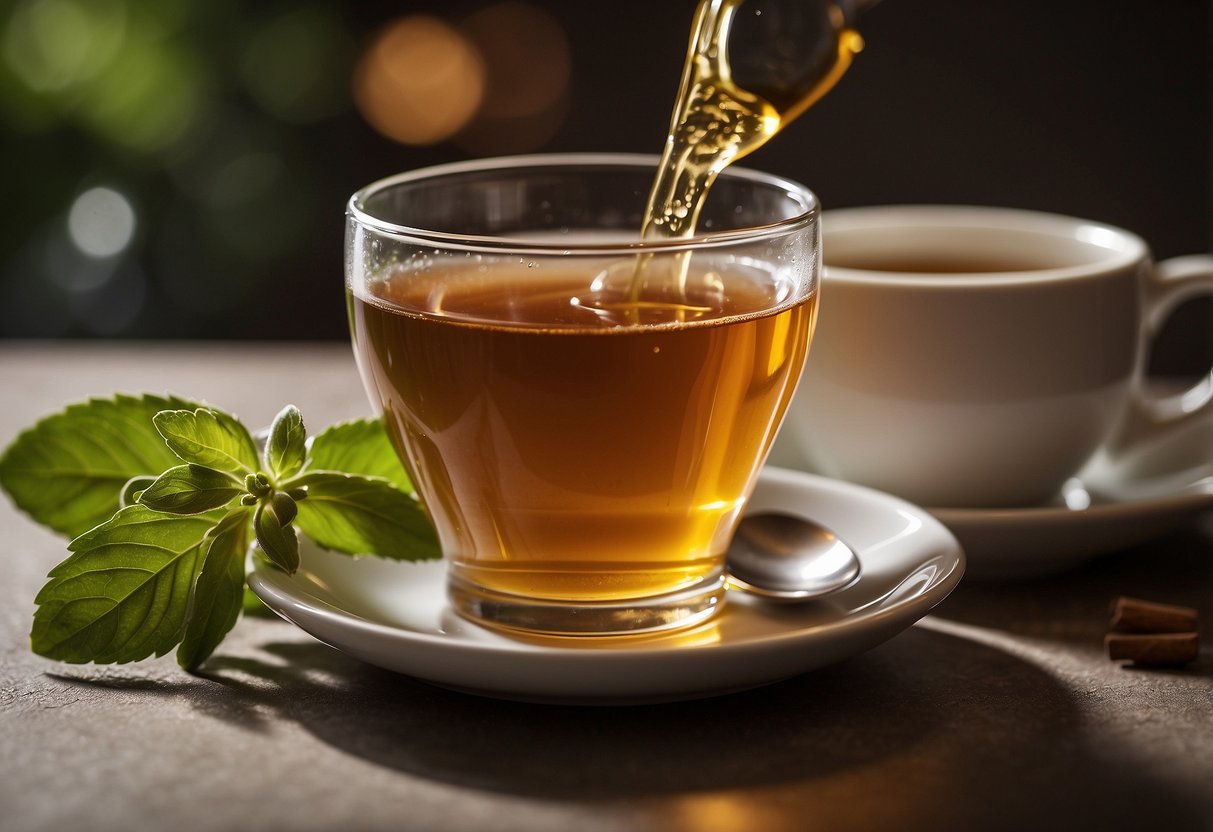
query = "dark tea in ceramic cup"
{"x": 979, "y": 357}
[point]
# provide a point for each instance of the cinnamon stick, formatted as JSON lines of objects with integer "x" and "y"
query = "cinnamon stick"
{"x": 1153, "y": 649}
{"x": 1133, "y": 615}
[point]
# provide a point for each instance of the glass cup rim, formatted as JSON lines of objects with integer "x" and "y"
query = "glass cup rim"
{"x": 810, "y": 209}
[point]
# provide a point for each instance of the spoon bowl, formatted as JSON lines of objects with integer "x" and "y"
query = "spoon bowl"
{"x": 786, "y": 558}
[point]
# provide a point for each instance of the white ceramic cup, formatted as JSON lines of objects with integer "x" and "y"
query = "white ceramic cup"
{"x": 980, "y": 356}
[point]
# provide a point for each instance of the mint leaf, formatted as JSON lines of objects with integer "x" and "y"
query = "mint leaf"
{"x": 284, "y": 507}
{"x": 364, "y": 515}
{"x": 219, "y": 591}
{"x": 169, "y": 570}
{"x": 190, "y": 489}
{"x": 210, "y": 438}
{"x": 359, "y": 447}
{"x": 67, "y": 471}
{"x": 286, "y": 450}
{"x": 275, "y": 535}
{"x": 123, "y": 595}
{"x": 134, "y": 487}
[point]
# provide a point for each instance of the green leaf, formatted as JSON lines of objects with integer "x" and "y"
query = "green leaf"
{"x": 276, "y": 537}
{"x": 360, "y": 447}
{"x": 284, "y": 507}
{"x": 190, "y": 489}
{"x": 209, "y": 437}
{"x": 286, "y": 450}
{"x": 67, "y": 471}
{"x": 219, "y": 591}
{"x": 131, "y": 492}
{"x": 364, "y": 515}
{"x": 124, "y": 593}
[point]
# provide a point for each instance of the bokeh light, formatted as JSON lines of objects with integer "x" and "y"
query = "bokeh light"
{"x": 527, "y": 62}
{"x": 420, "y": 81}
{"x": 296, "y": 65}
{"x": 109, "y": 308}
{"x": 52, "y": 45}
{"x": 123, "y": 70}
{"x": 148, "y": 96}
{"x": 101, "y": 222}
{"x": 243, "y": 178}
{"x": 176, "y": 153}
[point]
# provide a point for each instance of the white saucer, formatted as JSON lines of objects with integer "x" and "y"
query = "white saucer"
{"x": 1116, "y": 502}
{"x": 1022, "y": 542}
{"x": 395, "y": 615}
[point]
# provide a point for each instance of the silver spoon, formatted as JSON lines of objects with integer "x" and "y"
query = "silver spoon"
{"x": 785, "y": 558}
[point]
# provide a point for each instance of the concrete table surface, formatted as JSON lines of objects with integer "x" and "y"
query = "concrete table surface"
{"x": 999, "y": 711}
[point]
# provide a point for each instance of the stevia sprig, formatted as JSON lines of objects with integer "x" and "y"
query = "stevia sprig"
{"x": 167, "y": 568}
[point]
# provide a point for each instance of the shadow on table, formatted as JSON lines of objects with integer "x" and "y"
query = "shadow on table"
{"x": 930, "y": 726}
{"x": 247, "y": 706}
{"x": 1073, "y": 607}
{"x": 930, "y": 730}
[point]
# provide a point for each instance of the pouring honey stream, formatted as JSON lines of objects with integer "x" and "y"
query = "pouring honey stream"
{"x": 720, "y": 117}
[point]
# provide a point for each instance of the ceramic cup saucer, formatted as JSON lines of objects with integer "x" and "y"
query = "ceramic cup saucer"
{"x": 395, "y": 615}
{"x": 1116, "y": 502}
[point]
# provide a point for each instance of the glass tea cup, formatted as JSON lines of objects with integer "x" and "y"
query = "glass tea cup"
{"x": 583, "y": 413}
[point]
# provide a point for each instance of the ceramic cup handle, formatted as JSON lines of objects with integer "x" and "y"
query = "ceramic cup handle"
{"x": 1171, "y": 283}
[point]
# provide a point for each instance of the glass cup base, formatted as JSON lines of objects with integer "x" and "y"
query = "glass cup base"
{"x": 631, "y": 616}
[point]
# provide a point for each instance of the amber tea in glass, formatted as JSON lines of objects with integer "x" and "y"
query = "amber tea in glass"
{"x": 584, "y": 450}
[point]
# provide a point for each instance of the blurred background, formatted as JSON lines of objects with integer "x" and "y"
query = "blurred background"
{"x": 179, "y": 168}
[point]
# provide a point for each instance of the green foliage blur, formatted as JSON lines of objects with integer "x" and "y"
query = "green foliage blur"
{"x": 179, "y": 168}
{"x": 161, "y": 162}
